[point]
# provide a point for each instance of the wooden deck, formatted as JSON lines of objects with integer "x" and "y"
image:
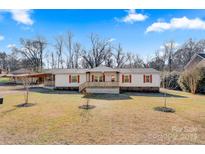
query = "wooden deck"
{"x": 98, "y": 85}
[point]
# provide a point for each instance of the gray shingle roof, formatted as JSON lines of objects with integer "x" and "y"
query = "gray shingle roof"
{"x": 65, "y": 71}
{"x": 138, "y": 70}
{"x": 103, "y": 69}
{"x": 21, "y": 71}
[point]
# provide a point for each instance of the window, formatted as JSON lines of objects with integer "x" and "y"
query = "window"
{"x": 74, "y": 78}
{"x": 126, "y": 78}
{"x": 147, "y": 78}
{"x": 98, "y": 78}
{"x": 95, "y": 78}
{"x": 113, "y": 78}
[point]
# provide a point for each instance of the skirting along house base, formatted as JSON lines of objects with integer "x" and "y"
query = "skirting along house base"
{"x": 105, "y": 80}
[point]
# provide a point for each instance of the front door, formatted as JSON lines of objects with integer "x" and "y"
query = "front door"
{"x": 98, "y": 78}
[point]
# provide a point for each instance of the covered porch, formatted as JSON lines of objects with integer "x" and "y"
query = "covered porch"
{"x": 101, "y": 80}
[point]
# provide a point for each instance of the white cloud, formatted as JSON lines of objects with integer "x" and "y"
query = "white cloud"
{"x": 132, "y": 17}
{"x": 11, "y": 46}
{"x": 177, "y": 23}
{"x": 111, "y": 39}
{"x": 1, "y": 37}
{"x": 22, "y": 16}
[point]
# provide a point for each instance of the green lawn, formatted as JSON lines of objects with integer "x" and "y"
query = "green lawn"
{"x": 127, "y": 118}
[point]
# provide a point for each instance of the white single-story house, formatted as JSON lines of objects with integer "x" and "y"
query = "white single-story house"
{"x": 104, "y": 79}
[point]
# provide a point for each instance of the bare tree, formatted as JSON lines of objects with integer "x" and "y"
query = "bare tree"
{"x": 76, "y": 54}
{"x": 26, "y": 82}
{"x": 157, "y": 62}
{"x": 98, "y": 51}
{"x": 53, "y": 61}
{"x": 41, "y": 44}
{"x": 184, "y": 53}
{"x": 32, "y": 51}
{"x": 138, "y": 62}
{"x": 3, "y": 60}
{"x": 120, "y": 58}
{"x": 14, "y": 61}
{"x": 59, "y": 42}
{"x": 69, "y": 46}
{"x": 169, "y": 48}
{"x": 109, "y": 59}
{"x": 134, "y": 61}
{"x": 47, "y": 57}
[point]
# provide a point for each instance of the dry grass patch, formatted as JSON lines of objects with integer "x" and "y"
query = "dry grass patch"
{"x": 125, "y": 119}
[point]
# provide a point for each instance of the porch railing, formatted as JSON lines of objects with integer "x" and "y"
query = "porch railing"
{"x": 98, "y": 85}
{"x": 82, "y": 86}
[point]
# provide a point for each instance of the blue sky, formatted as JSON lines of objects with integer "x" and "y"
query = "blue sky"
{"x": 138, "y": 31}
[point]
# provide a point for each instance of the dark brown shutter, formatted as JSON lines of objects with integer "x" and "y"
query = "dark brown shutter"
{"x": 130, "y": 78}
{"x": 92, "y": 78}
{"x": 78, "y": 78}
{"x": 144, "y": 78}
{"x": 150, "y": 78}
{"x": 122, "y": 78}
{"x": 69, "y": 78}
{"x": 103, "y": 77}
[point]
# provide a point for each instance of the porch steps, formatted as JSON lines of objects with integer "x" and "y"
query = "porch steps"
{"x": 82, "y": 87}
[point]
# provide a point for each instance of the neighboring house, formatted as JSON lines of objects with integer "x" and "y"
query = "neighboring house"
{"x": 106, "y": 80}
{"x": 21, "y": 71}
{"x": 196, "y": 60}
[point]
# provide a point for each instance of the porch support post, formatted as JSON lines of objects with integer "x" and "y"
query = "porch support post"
{"x": 118, "y": 78}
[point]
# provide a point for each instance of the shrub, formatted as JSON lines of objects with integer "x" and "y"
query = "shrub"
{"x": 183, "y": 82}
{"x": 193, "y": 80}
{"x": 201, "y": 86}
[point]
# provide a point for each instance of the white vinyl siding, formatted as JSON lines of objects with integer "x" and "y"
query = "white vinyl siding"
{"x": 138, "y": 81}
{"x": 62, "y": 80}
